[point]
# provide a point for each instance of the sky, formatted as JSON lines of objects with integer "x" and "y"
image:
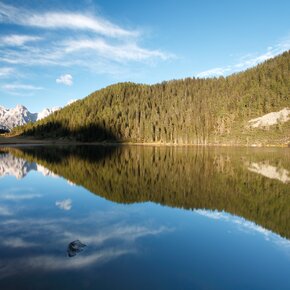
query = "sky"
{"x": 53, "y": 52}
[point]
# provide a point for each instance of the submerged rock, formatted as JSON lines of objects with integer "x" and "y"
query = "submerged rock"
{"x": 75, "y": 247}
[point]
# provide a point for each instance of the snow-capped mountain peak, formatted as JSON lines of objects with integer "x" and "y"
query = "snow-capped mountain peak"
{"x": 20, "y": 115}
{"x": 46, "y": 112}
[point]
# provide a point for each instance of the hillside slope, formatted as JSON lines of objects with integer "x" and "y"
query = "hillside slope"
{"x": 187, "y": 111}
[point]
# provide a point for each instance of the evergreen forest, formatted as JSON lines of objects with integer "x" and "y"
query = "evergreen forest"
{"x": 186, "y": 111}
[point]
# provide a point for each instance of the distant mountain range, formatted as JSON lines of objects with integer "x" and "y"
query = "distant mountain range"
{"x": 20, "y": 115}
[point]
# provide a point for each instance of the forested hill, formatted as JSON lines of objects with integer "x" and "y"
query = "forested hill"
{"x": 187, "y": 111}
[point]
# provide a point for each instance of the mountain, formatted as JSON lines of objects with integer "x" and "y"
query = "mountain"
{"x": 18, "y": 167}
{"x": 20, "y": 115}
{"x": 186, "y": 111}
{"x": 45, "y": 113}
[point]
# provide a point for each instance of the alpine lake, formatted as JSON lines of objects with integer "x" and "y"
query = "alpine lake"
{"x": 144, "y": 217}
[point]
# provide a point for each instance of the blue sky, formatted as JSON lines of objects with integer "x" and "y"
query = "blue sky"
{"x": 52, "y": 52}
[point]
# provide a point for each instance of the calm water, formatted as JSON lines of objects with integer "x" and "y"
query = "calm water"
{"x": 144, "y": 218}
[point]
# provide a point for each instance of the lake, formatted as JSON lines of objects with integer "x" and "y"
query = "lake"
{"x": 143, "y": 217}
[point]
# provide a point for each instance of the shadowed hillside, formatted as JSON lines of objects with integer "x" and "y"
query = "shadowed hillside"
{"x": 187, "y": 111}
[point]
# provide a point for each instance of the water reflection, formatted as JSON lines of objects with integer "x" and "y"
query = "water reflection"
{"x": 248, "y": 183}
{"x": 45, "y": 239}
{"x": 18, "y": 167}
{"x": 270, "y": 171}
{"x": 247, "y": 226}
{"x": 65, "y": 204}
{"x": 233, "y": 234}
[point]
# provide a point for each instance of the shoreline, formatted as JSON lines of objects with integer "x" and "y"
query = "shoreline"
{"x": 14, "y": 141}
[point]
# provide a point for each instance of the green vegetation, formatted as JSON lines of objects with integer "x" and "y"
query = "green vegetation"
{"x": 185, "y": 177}
{"x": 187, "y": 111}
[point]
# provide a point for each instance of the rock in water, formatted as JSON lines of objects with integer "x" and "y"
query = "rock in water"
{"x": 75, "y": 247}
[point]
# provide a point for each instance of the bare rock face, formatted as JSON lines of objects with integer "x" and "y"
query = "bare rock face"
{"x": 20, "y": 115}
{"x": 270, "y": 119}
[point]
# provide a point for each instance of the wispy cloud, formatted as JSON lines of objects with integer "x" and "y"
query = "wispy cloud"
{"x": 15, "y": 87}
{"x": 66, "y": 79}
{"x": 83, "y": 53}
{"x": 248, "y": 60}
{"x": 65, "y": 20}
{"x": 17, "y": 40}
{"x": 83, "y": 40}
{"x": 117, "y": 52}
{"x": 6, "y": 71}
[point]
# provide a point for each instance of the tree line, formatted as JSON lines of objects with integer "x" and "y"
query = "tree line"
{"x": 186, "y": 111}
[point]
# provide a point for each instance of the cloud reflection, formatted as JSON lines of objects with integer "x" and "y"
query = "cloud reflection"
{"x": 64, "y": 204}
{"x": 247, "y": 227}
{"x": 105, "y": 236}
{"x": 5, "y": 211}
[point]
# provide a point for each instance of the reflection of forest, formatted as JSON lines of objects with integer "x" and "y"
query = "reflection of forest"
{"x": 187, "y": 177}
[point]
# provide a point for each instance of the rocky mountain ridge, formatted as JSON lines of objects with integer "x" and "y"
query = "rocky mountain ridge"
{"x": 20, "y": 115}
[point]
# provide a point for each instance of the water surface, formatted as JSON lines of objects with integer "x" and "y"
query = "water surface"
{"x": 149, "y": 217}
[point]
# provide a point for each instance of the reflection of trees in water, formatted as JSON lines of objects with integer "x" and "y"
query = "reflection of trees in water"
{"x": 185, "y": 177}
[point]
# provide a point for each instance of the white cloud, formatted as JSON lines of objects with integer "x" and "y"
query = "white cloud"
{"x": 17, "y": 40}
{"x": 77, "y": 21}
{"x": 272, "y": 51}
{"x": 218, "y": 71}
{"x": 64, "y": 204}
{"x": 108, "y": 45}
{"x": 65, "y": 20}
{"x": 118, "y": 52}
{"x": 248, "y": 60}
{"x": 6, "y": 71}
{"x": 12, "y": 87}
{"x": 66, "y": 79}
{"x": 83, "y": 53}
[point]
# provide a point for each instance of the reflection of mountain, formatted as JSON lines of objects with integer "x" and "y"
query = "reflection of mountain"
{"x": 192, "y": 178}
{"x": 18, "y": 167}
